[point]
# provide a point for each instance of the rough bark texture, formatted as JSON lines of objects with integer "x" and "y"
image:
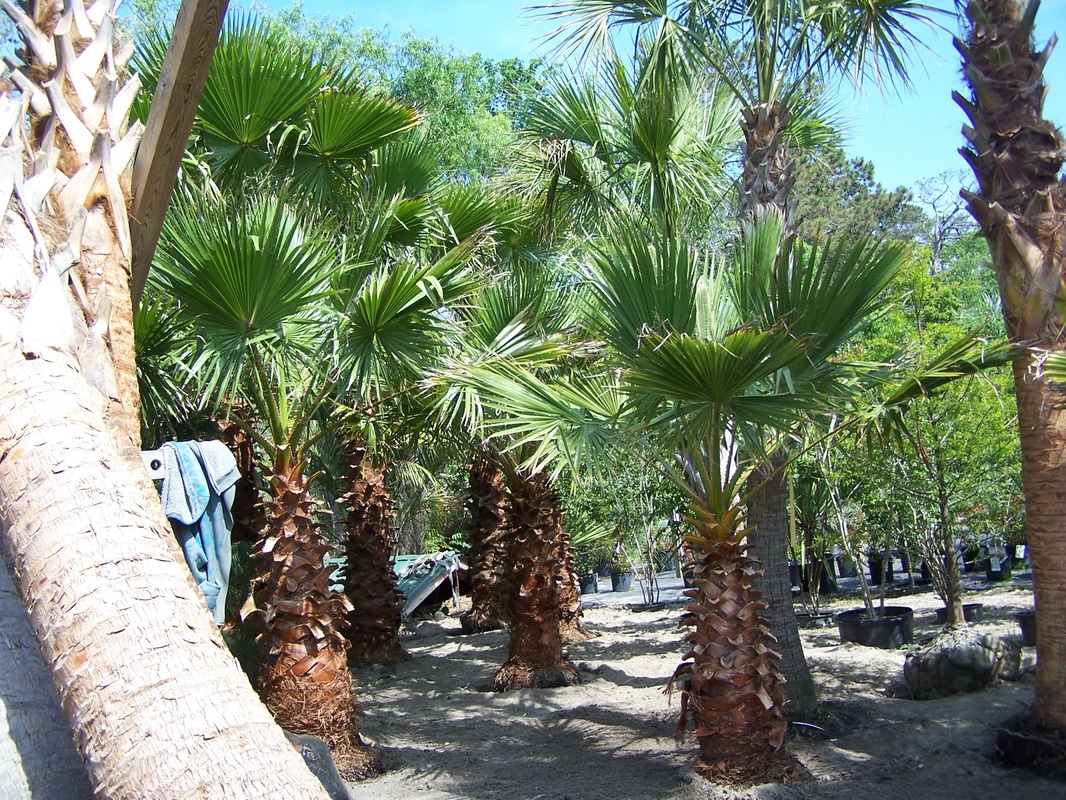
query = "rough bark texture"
{"x": 157, "y": 705}
{"x": 247, "y": 511}
{"x": 570, "y": 627}
{"x": 1020, "y": 206}
{"x": 305, "y": 680}
{"x": 535, "y": 555}
{"x": 369, "y": 580}
{"x": 768, "y": 515}
{"x": 488, "y": 553}
{"x": 729, "y": 679}
{"x": 768, "y": 170}
{"x": 37, "y": 755}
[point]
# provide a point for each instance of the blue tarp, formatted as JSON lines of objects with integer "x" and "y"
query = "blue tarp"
{"x": 416, "y": 575}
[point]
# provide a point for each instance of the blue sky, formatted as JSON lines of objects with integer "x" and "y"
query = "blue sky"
{"x": 907, "y": 138}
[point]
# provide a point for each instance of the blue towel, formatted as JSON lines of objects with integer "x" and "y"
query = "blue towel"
{"x": 197, "y": 496}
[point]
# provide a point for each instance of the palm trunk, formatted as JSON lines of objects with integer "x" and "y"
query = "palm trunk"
{"x": 305, "y": 680}
{"x": 570, "y": 627}
{"x": 488, "y": 555}
{"x": 535, "y": 655}
{"x": 768, "y": 169}
{"x": 37, "y": 754}
{"x": 768, "y": 514}
{"x": 1020, "y": 207}
{"x": 247, "y": 511}
{"x": 139, "y": 665}
{"x": 729, "y": 679}
{"x": 158, "y": 707}
{"x": 369, "y": 580}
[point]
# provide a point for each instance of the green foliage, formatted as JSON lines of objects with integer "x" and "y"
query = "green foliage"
{"x": 837, "y": 195}
{"x": 615, "y": 141}
{"x": 163, "y": 342}
{"x": 470, "y": 104}
{"x": 273, "y": 112}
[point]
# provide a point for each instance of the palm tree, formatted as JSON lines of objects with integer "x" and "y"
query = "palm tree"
{"x": 1017, "y": 156}
{"x": 488, "y": 549}
{"x": 253, "y": 284}
{"x": 768, "y": 54}
{"x": 369, "y": 580}
{"x": 700, "y": 354}
{"x": 78, "y": 519}
{"x": 392, "y": 330}
{"x": 525, "y": 568}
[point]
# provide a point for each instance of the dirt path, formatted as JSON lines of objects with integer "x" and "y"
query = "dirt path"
{"x": 444, "y": 735}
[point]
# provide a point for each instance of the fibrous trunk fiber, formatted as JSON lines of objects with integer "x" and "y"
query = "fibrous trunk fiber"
{"x": 1020, "y": 206}
{"x": 536, "y": 557}
{"x": 305, "y": 680}
{"x": 729, "y": 680}
{"x": 488, "y": 552}
{"x": 369, "y": 580}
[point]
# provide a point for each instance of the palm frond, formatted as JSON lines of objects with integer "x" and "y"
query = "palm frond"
{"x": 639, "y": 283}
{"x": 257, "y": 82}
{"x": 249, "y": 277}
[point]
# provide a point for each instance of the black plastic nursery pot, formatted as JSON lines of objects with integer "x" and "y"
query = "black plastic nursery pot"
{"x": 589, "y": 583}
{"x": 1027, "y": 622}
{"x": 998, "y": 575}
{"x": 621, "y": 581}
{"x": 876, "y": 563}
{"x": 971, "y": 612}
{"x": 893, "y": 629}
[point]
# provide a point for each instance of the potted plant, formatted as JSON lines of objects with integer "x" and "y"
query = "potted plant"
{"x": 885, "y": 627}
{"x": 998, "y": 564}
{"x": 621, "y": 572}
{"x": 586, "y": 573}
{"x": 1027, "y": 622}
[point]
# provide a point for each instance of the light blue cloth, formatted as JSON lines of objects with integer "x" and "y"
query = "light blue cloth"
{"x": 197, "y": 497}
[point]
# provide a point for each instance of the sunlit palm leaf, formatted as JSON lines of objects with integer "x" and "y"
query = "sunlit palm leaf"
{"x": 343, "y": 129}
{"x": 824, "y": 293}
{"x": 712, "y": 383}
{"x": 257, "y": 82}
{"x": 396, "y": 318}
{"x": 249, "y": 277}
{"x": 553, "y": 424}
{"x": 640, "y": 284}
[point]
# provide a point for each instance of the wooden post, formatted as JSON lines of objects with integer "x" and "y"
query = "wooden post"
{"x": 155, "y": 171}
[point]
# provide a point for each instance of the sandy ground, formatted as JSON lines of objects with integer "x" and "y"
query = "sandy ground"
{"x": 444, "y": 735}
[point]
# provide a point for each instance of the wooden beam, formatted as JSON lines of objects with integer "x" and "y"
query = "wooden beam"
{"x": 166, "y": 133}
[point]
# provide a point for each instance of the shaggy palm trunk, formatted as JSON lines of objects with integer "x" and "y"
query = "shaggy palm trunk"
{"x": 246, "y": 509}
{"x": 767, "y": 183}
{"x": 369, "y": 580}
{"x": 535, "y": 558}
{"x": 729, "y": 679}
{"x": 1020, "y": 207}
{"x": 157, "y": 705}
{"x": 768, "y": 169}
{"x": 488, "y": 551}
{"x": 305, "y": 680}
{"x": 570, "y": 627}
{"x": 768, "y": 514}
